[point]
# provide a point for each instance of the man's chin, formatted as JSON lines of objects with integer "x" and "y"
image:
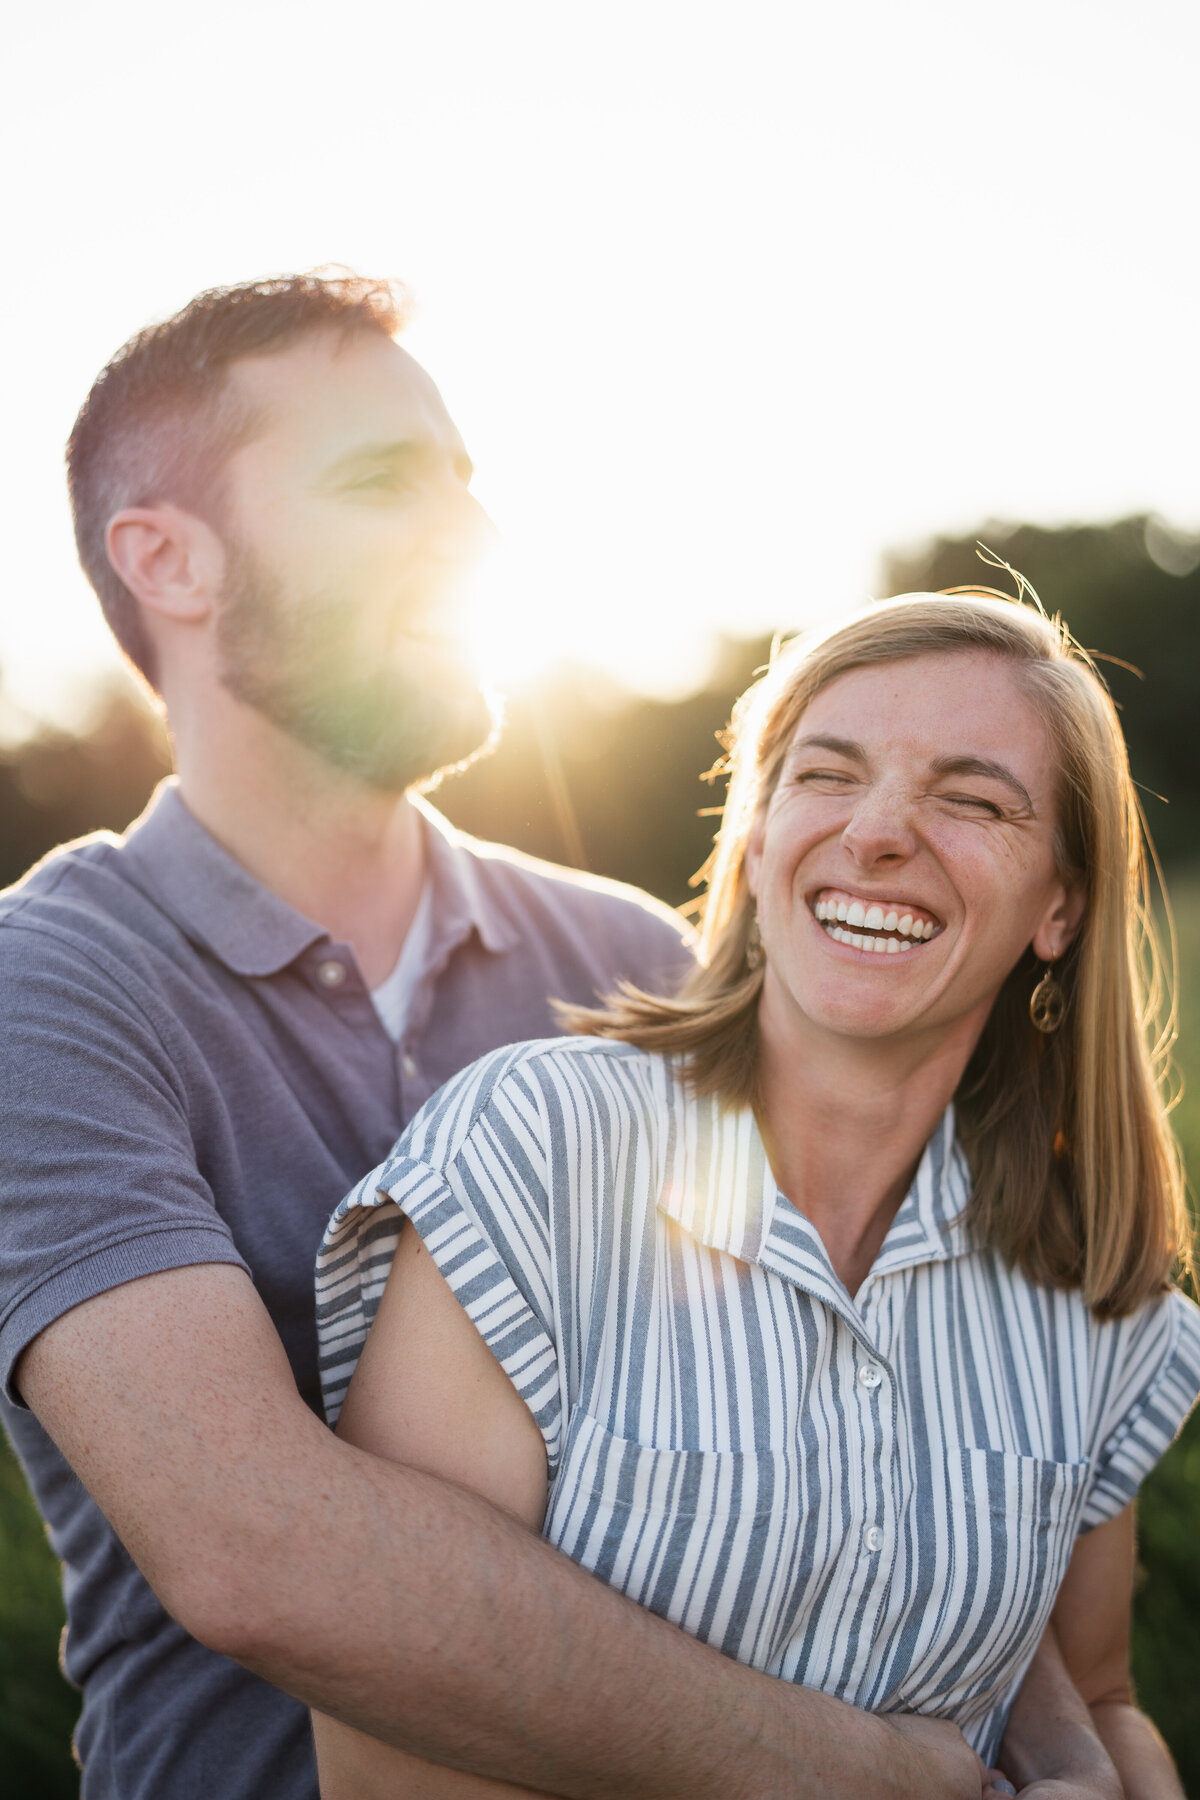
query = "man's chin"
{"x": 414, "y": 746}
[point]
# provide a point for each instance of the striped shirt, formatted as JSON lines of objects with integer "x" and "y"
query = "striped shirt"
{"x": 873, "y": 1495}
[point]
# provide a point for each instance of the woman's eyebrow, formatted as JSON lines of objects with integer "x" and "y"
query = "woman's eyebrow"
{"x": 983, "y": 765}
{"x": 839, "y": 746}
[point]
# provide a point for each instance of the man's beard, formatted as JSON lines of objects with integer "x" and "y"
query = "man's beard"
{"x": 389, "y": 726}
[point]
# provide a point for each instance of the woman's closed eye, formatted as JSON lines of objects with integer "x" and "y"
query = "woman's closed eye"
{"x": 833, "y": 779}
{"x": 974, "y": 802}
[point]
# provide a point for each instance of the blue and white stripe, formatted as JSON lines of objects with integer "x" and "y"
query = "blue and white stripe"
{"x": 876, "y": 1496}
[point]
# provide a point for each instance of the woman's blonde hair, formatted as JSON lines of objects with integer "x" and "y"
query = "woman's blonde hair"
{"x": 1076, "y": 1176}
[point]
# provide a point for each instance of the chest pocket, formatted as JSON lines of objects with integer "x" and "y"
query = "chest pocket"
{"x": 1007, "y": 1525}
{"x": 703, "y": 1538}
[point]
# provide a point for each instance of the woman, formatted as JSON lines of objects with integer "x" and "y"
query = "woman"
{"x": 825, "y": 1310}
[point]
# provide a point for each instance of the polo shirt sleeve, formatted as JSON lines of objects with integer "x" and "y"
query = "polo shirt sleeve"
{"x": 1147, "y": 1381}
{"x": 99, "y": 1182}
{"x": 472, "y": 1174}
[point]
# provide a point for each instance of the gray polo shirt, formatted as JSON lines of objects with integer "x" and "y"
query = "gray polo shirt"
{"x": 192, "y": 1072}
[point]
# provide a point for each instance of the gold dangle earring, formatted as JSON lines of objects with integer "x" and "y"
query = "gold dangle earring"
{"x": 755, "y": 954}
{"x": 1047, "y": 1003}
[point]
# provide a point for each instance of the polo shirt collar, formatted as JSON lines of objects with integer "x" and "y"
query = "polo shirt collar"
{"x": 462, "y": 902}
{"x": 212, "y": 898}
{"x": 219, "y": 904}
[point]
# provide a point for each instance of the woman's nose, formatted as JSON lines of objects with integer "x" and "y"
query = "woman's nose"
{"x": 880, "y": 828}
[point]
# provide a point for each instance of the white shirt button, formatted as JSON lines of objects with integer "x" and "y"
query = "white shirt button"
{"x": 870, "y": 1375}
{"x": 331, "y": 974}
{"x": 408, "y": 1065}
{"x": 873, "y": 1538}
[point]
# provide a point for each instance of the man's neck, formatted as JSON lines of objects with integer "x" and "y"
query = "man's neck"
{"x": 344, "y": 854}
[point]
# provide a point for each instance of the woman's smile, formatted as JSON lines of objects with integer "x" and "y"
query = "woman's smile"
{"x": 885, "y": 926}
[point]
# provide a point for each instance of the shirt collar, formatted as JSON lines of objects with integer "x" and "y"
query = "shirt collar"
{"x": 215, "y": 901}
{"x": 219, "y": 904}
{"x": 720, "y": 1190}
{"x": 462, "y": 902}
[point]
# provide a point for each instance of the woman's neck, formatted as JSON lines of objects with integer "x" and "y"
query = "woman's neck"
{"x": 844, "y": 1122}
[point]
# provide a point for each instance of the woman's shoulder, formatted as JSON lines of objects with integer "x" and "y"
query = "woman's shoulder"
{"x": 540, "y": 1080}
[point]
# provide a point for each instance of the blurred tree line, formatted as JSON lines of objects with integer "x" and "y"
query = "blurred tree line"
{"x": 590, "y": 775}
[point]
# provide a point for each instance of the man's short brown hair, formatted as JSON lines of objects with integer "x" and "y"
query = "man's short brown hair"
{"x": 159, "y": 425}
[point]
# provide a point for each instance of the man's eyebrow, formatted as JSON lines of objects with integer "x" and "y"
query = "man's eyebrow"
{"x": 398, "y": 452}
{"x": 991, "y": 771}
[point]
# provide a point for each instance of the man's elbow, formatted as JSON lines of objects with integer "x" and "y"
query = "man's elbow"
{"x": 231, "y": 1597}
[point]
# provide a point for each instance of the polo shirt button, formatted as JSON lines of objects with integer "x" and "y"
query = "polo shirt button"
{"x": 331, "y": 974}
{"x": 870, "y": 1375}
{"x": 873, "y": 1538}
{"x": 408, "y": 1065}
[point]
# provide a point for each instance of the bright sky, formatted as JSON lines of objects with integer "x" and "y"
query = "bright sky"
{"x": 725, "y": 298}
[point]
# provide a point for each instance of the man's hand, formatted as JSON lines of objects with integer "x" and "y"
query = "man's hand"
{"x": 1059, "y": 1788}
{"x": 936, "y": 1758}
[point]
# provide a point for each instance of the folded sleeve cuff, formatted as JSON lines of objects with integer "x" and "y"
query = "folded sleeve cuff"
{"x": 1149, "y": 1430}
{"x": 352, "y": 1271}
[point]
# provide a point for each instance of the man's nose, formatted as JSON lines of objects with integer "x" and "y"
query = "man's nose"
{"x": 881, "y": 828}
{"x": 460, "y": 516}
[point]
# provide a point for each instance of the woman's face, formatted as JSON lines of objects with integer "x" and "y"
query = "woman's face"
{"x": 906, "y": 859}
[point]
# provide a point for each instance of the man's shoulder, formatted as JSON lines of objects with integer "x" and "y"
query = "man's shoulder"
{"x": 77, "y": 891}
{"x": 519, "y": 885}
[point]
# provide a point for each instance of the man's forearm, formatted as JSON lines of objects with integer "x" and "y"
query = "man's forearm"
{"x": 446, "y": 1629}
{"x": 406, "y": 1606}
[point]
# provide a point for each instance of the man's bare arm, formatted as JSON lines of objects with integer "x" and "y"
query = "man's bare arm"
{"x": 403, "y": 1605}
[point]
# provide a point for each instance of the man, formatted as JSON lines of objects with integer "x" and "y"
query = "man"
{"x": 212, "y": 1027}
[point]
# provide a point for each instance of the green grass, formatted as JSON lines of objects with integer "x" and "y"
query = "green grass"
{"x": 37, "y": 1708}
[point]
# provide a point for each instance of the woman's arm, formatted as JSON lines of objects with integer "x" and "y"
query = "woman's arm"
{"x": 1091, "y": 1620}
{"x": 428, "y": 1392}
{"x": 1075, "y": 1717}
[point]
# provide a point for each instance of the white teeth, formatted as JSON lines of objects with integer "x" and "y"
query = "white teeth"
{"x": 873, "y": 918}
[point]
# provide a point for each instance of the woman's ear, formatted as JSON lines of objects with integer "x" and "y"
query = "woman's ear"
{"x": 752, "y": 858}
{"x": 1060, "y": 923}
{"x": 171, "y": 561}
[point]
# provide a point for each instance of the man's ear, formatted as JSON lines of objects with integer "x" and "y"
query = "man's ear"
{"x": 169, "y": 559}
{"x": 1060, "y": 923}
